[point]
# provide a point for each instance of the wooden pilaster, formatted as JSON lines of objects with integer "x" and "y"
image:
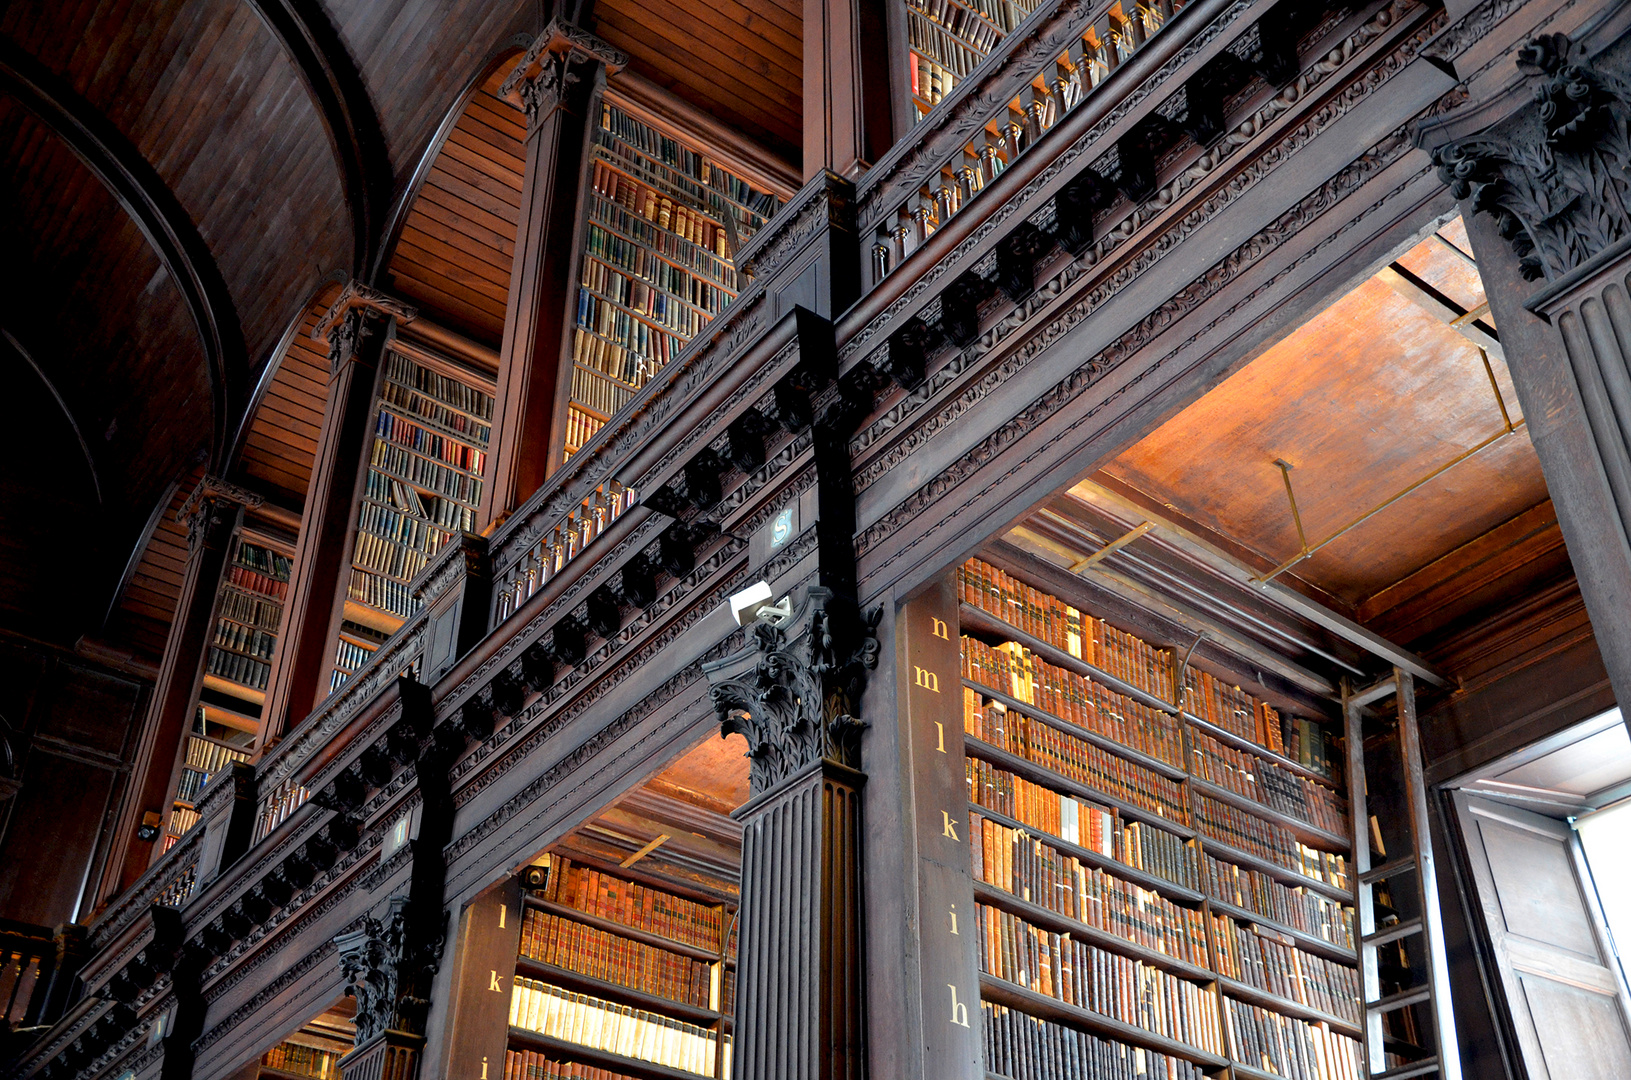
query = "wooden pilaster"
{"x": 355, "y": 328}
{"x": 557, "y": 82}
{"x": 215, "y": 511}
{"x": 847, "y": 101}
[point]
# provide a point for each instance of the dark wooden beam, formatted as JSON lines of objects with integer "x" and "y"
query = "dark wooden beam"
{"x": 336, "y": 88}
{"x": 62, "y": 403}
{"x": 157, "y": 212}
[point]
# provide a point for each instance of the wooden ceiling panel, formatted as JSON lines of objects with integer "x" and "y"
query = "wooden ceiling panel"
{"x": 740, "y": 60}
{"x": 454, "y": 252}
{"x": 1366, "y": 400}
{"x": 281, "y": 443}
{"x": 148, "y": 604}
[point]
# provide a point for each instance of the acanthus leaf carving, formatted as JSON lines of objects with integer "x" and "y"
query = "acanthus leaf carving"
{"x": 1557, "y": 176}
{"x": 794, "y": 691}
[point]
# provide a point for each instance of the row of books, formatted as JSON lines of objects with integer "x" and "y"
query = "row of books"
{"x": 1097, "y": 980}
{"x": 1268, "y": 841}
{"x": 1082, "y": 702}
{"x": 1289, "y": 1047}
{"x": 1254, "y": 956}
{"x": 382, "y": 593}
{"x": 390, "y": 557}
{"x": 610, "y": 360}
{"x": 404, "y": 464}
{"x": 262, "y": 560}
{"x": 1084, "y": 636}
{"x": 443, "y": 513}
{"x": 977, "y": 32}
{"x": 626, "y": 254}
{"x": 1084, "y": 824}
{"x": 1229, "y": 707}
{"x": 531, "y": 1065}
{"x": 634, "y": 134}
{"x": 619, "y": 900}
{"x": 1025, "y": 1047}
{"x": 449, "y": 391}
{"x": 659, "y": 208}
{"x": 1267, "y": 783}
{"x": 597, "y": 392}
{"x": 926, "y": 38}
{"x": 1296, "y": 907}
{"x": 613, "y": 958}
{"x": 1033, "y": 871}
{"x": 930, "y": 82}
{"x": 183, "y": 818}
{"x": 1103, "y": 772}
{"x": 1130, "y": 659}
{"x": 432, "y": 444}
{"x": 428, "y": 410}
{"x": 256, "y": 582}
{"x": 647, "y": 296}
{"x": 581, "y": 427}
{"x": 239, "y": 669}
{"x": 617, "y": 1029}
{"x": 350, "y": 657}
{"x": 305, "y": 1060}
{"x": 400, "y": 527}
{"x": 244, "y": 639}
{"x": 619, "y": 223}
{"x": 646, "y": 335}
{"x": 251, "y": 610}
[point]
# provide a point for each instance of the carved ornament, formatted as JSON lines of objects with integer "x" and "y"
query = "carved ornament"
{"x": 387, "y": 969}
{"x": 793, "y": 692}
{"x": 1556, "y": 176}
{"x": 347, "y": 321}
{"x": 556, "y": 62}
{"x": 209, "y": 507}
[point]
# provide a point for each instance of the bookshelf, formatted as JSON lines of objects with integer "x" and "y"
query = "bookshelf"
{"x": 314, "y": 1050}
{"x": 432, "y": 426}
{"x": 616, "y": 973}
{"x": 1159, "y": 857}
{"x": 662, "y": 223}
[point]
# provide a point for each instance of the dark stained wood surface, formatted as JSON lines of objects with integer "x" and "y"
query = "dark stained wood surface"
{"x": 741, "y": 60}
{"x": 148, "y": 603}
{"x": 457, "y": 242}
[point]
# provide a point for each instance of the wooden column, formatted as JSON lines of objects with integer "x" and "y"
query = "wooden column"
{"x": 800, "y": 997}
{"x": 557, "y": 83}
{"x": 847, "y": 102}
{"x": 356, "y": 329}
{"x": 213, "y": 513}
{"x": 1542, "y": 195}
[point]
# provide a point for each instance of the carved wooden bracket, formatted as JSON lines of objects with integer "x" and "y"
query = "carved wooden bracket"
{"x": 556, "y": 62}
{"x": 352, "y": 315}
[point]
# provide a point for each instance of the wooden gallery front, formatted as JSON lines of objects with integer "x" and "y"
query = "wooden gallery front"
{"x": 1118, "y": 568}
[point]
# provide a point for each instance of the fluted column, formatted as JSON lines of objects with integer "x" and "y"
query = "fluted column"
{"x": 1543, "y": 174}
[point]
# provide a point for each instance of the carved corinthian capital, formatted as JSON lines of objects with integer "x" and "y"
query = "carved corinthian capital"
{"x": 792, "y": 693}
{"x": 556, "y": 63}
{"x": 387, "y": 965}
{"x": 1557, "y": 174}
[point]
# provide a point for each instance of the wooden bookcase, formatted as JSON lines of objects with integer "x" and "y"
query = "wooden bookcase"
{"x": 662, "y": 220}
{"x": 1156, "y": 859}
{"x": 432, "y": 425}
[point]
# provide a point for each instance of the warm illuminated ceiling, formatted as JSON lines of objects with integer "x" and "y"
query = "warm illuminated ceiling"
{"x": 1367, "y": 400}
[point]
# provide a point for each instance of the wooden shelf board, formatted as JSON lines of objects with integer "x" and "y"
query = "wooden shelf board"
{"x": 1312, "y": 835}
{"x": 222, "y": 685}
{"x": 1285, "y": 1006}
{"x": 1046, "y": 777}
{"x": 646, "y": 1070}
{"x": 1229, "y": 738}
{"x": 1103, "y": 742}
{"x": 1003, "y": 992}
{"x": 1227, "y": 852}
{"x": 1305, "y": 941}
{"x": 633, "y": 933}
{"x": 1131, "y": 874}
{"x": 626, "y": 995}
{"x": 1061, "y": 924}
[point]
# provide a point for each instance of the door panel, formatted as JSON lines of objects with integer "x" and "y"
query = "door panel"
{"x": 1566, "y": 1004}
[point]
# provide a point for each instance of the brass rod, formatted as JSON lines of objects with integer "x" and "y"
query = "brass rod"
{"x": 1082, "y": 565}
{"x": 1367, "y": 515}
{"x": 1495, "y": 386}
{"x": 1296, "y": 515}
{"x": 643, "y": 852}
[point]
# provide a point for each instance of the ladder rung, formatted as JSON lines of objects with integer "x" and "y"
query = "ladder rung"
{"x": 1387, "y": 870}
{"x": 1398, "y": 1001}
{"x": 1404, "y": 1072}
{"x": 1394, "y": 933}
{"x": 1373, "y": 693}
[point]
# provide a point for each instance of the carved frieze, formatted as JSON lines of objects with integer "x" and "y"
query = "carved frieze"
{"x": 1557, "y": 175}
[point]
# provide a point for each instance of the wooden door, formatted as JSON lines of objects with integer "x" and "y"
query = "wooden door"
{"x": 1547, "y": 936}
